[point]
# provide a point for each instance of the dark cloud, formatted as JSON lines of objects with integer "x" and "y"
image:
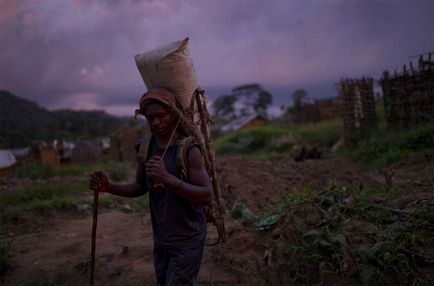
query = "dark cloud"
{"x": 79, "y": 53}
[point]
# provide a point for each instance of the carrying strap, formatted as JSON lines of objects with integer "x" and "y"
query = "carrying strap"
{"x": 184, "y": 146}
{"x": 144, "y": 150}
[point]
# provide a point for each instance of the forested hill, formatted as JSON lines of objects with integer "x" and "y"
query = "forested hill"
{"x": 23, "y": 121}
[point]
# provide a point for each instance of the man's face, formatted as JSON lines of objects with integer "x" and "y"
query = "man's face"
{"x": 160, "y": 119}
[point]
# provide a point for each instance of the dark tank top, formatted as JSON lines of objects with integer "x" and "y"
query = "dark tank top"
{"x": 175, "y": 220}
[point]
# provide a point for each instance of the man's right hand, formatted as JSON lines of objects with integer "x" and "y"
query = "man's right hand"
{"x": 98, "y": 182}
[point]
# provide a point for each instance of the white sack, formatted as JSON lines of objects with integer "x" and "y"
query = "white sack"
{"x": 169, "y": 67}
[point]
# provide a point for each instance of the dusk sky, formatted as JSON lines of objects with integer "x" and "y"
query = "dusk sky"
{"x": 79, "y": 54}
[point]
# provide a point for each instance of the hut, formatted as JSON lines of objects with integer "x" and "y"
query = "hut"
{"x": 122, "y": 143}
{"x": 48, "y": 154}
{"x": 328, "y": 108}
{"x": 7, "y": 163}
{"x": 244, "y": 122}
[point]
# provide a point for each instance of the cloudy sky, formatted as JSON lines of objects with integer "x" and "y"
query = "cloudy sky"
{"x": 79, "y": 53}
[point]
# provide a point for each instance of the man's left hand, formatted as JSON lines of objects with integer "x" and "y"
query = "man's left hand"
{"x": 155, "y": 167}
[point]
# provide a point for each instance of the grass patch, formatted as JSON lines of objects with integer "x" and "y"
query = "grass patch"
{"x": 271, "y": 139}
{"x": 322, "y": 134}
{"x": 135, "y": 204}
{"x": 14, "y": 205}
{"x": 24, "y": 205}
{"x": 385, "y": 147}
{"x": 249, "y": 141}
{"x": 34, "y": 170}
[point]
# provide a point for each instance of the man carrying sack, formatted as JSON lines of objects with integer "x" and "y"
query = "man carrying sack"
{"x": 178, "y": 220}
{"x": 172, "y": 171}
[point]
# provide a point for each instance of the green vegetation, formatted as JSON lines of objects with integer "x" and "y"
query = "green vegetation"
{"x": 116, "y": 171}
{"x": 22, "y": 204}
{"x": 250, "y": 141}
{"x": 344, "y": 232}
{"x": 322, "y": 134}
{"x": 63, "y": 195}
{"x": 272, "y": 139}
{"x": 385, "y": 147}
{"x": 128, "y": 204}
{"x": 381, "y": 148}
{"x": 27, "y": 122}
{"x": 34, "y": 170}
{"x": 119, "y": 171}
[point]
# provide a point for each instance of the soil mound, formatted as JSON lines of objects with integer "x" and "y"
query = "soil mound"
{"x": 261, "y": 183}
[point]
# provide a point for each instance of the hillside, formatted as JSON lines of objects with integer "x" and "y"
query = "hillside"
{"x": 22, "y": 121}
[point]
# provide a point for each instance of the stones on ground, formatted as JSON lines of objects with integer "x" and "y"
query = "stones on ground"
{"x": 83, "y": 207}
{"x": 127, "y": 208}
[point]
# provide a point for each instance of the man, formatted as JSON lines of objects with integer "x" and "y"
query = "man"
{"x": 178, "y": 221}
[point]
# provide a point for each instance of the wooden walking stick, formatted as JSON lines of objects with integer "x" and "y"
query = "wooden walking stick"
{"x": 95, "y": 221}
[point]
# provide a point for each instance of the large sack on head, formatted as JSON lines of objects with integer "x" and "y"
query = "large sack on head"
{"x": 169, "y": 67}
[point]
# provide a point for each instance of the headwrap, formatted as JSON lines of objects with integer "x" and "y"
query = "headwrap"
{"x": 187, "y": 126}
{"x": 160, "y": 95}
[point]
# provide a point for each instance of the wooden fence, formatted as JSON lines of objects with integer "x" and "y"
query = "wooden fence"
{"x": 409, "y": 96}
{"x": 357, "y": 108}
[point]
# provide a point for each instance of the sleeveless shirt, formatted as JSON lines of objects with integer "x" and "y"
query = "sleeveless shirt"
{"x": 175, "y": 220}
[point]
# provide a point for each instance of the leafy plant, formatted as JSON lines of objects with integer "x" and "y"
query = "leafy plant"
{"x": 339, "y": 243}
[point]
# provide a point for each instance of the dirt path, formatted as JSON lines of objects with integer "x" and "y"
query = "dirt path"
{"x": 124, "y": 252}
{"x": 124, "y": 240}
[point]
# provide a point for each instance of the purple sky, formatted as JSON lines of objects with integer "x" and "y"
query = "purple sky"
{"x": 79, "y": 53}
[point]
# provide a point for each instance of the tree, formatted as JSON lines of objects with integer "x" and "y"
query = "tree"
{"x": 263, "y": 101}
{"x": 298, "y": 96}
{"x": 224, "y": 106}
{"x": 252, "y": 98}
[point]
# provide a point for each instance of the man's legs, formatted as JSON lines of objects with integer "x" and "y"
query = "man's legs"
{"x": 177, "y": 265}
{"x": 161, "y": 262}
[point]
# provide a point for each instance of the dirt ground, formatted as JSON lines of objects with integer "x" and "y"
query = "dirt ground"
{"x": 124, "y": 240}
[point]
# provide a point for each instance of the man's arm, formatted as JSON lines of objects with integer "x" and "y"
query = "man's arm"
{"x": 200, "y": 189}
{"x": 99, "y": 182}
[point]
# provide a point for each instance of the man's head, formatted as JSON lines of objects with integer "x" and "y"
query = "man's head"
{"x": 160, "y": 107}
